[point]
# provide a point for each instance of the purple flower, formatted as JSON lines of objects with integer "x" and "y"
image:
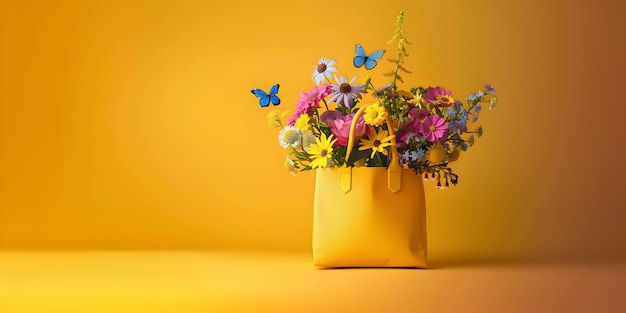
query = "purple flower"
{"x": 489, "y": 89}
{"x": 460, "y": 126}
{"x": 344, "y": 92}
{"x": 329, "y": 116}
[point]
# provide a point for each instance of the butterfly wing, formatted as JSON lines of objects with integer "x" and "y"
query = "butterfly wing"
{"x": 360, "y": 57}
{"x": 370, "y": 63}
{"x": 274, "y": 89}
{"x": 273, "y": 95}
{"x": 264, "y": 98}
{"x": 275, "y": 100}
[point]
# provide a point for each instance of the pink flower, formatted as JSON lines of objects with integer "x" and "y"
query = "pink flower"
{"x": 434, "y": 128}
{"x": 439, "y": 96}
{"x": 312, "y": 98}
{"x": 340, "y": 127}
{"x": 309, "y": 101}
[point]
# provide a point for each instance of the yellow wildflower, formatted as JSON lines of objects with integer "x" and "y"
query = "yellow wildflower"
{"x": 375, "y": 114}
{"x": 322, "y": 151}
{"x": 377, "y": 142}
{"x": 302, "y": 122}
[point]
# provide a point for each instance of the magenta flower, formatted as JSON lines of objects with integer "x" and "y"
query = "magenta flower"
{"x": 434, "y": 128}
{"x": 418, "y": 114}
{"x": 439, "y": 96}
{"x": 340, "y": 127}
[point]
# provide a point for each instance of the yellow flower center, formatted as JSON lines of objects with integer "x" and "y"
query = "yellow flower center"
{"x": 432, "y": 128}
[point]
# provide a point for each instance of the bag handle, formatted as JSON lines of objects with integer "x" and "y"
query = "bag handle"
{"x": 394, "y": 171}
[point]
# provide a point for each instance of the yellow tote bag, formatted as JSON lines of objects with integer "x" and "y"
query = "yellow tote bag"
{"x": 369, "y": 216}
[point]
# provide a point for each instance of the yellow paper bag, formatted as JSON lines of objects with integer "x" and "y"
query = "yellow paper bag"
{"x": 369, "y": 216}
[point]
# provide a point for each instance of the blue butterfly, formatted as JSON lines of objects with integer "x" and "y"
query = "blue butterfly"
{"x": 370, "y": 61}
{"x": 265, "y": 98}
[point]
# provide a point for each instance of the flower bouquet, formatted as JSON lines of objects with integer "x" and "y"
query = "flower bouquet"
{"x": 430, "y": 126}
{"x": 369, "y": 144}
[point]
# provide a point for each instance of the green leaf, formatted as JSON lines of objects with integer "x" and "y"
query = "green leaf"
{"x": 357, "y": 154}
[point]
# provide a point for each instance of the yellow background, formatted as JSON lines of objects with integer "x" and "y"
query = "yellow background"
{"x": 130, "y": 124}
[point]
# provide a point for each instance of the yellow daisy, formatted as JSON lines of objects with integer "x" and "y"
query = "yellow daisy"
{"x": 322, "y": 151}
{"x": 375, "y": 114}
{"x": 445, "y": 101}
{"x": 377, "y": 142}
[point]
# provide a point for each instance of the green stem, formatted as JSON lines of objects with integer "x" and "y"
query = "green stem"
{"x": 325, "y": 104}
{"x": 395, "y": 74}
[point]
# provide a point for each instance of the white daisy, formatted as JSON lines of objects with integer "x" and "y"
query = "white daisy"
{"x": 323, "y": 70}
{"x": 290, "y": 136}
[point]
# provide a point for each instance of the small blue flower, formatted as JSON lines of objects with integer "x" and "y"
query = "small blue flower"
{"x": 412, "y": 155}
{"x": 477, "y": 108}
{"x": 418, "y": 155}
{"x": 489, "y": 89}
{"x": 406, "y": 155}
{"x": 450, "y": 112}
{"x": 475, "y": 95}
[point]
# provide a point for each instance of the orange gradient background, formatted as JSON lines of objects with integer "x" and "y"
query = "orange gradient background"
{"x": 130, "y": 125}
